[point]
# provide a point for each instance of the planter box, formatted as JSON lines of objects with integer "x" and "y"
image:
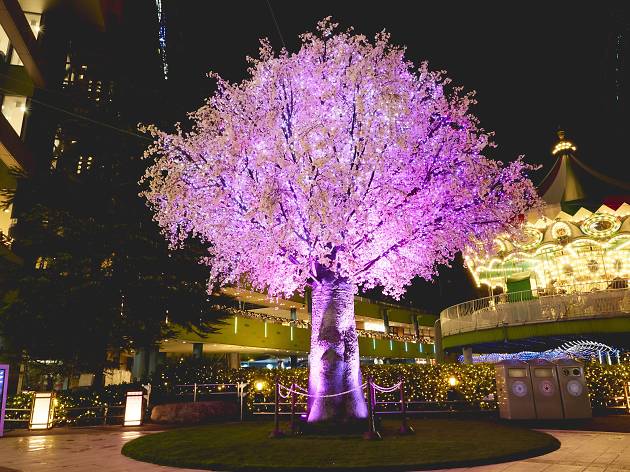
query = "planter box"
{"x": 191, "y": 413}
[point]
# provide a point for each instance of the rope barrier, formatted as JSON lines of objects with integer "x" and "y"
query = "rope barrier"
{"x": 302, "y": 391}
{"x": 289, "y": 390}
{"x": 393, "y": 388}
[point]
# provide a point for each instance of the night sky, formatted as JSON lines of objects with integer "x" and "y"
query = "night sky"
{"x": 535, "y": 65}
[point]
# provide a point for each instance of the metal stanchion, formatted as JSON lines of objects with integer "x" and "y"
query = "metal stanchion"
{"x": 240, "y": 387}
{"x": 293, "y": 398}
{"x": 276, "y": 433}
{"x": 404, "y": 426}
{"x": 195, "y": 393}
{"x": 371, "y": 433}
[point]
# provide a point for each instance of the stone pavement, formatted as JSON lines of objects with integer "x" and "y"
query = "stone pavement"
{"x": 581, "y": 451}
{"x": 100, "y": 451}
{"x": 84, "y": 451}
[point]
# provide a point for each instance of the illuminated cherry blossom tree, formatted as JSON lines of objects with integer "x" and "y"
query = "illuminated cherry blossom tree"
{"x": 340, "y": 166}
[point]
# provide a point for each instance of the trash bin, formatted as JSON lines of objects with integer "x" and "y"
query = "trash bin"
{"x": 546, "y": 389}
{"x": 514, "y": 390}
{"x": 573, "y": 389}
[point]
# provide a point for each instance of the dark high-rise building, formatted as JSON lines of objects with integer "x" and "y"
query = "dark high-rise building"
{"x": 76, "y": 78}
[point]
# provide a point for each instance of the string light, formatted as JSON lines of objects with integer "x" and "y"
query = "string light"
{"x": 563, "y": 146}
{"x": 428, "y": 383}
{"x": 558, "y": 254}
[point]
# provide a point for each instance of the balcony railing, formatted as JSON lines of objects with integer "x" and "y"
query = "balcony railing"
{"x": 424, "y": 336}
{"x": 536, "y": 306}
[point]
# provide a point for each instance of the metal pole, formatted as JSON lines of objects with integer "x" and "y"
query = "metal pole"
{"x": 105, "y": 414}
{"x": 276, "y": 433}
{"x": 404, "y": 427}
{"x": 371, "y": 434}
{"x": 241, "y": 394}
{"x": 195, "y": 393}
{"x": 293, "y": 429}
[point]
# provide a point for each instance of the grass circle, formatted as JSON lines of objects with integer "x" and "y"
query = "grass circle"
{"x": 247, "y": 447}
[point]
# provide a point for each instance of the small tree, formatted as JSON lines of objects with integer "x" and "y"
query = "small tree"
{"x": 339, "y": 166}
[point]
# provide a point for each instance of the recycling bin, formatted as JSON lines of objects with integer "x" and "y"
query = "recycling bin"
{"x": 573, "y": 389}
{"x": 546, "y": 389}
{"x": 514, "y": 390}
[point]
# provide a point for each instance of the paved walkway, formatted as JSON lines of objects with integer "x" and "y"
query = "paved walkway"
{"x": 580, "y": 452}
{"x": 86, "y": 451}
{"x": 100, "y": 451}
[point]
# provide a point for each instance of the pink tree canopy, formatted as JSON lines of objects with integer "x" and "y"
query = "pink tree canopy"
{"x": 341, "y": 158}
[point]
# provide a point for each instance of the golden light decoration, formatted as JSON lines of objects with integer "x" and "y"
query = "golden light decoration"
{"x": 601, "y": 225}
{"x": 560, "y": 230}
{"x": 529, "y": 239}
{"x": 563, "y": 146}
{"x": 452, "y": 381}
{"x": 259, "y": 385}
{"x": 500, "y": 245}
{"x": 576, "y": 252}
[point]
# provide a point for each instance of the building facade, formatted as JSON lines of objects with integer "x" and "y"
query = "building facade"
{"x": 21, "y": 72}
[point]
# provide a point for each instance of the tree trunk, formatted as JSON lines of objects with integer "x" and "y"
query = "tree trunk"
{"x": 334, "y": 356}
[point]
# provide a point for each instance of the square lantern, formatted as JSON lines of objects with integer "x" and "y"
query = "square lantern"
{"x": 4, "y": 380}
{"x": 134, "y": 408}
{"x": 42, "y": 411}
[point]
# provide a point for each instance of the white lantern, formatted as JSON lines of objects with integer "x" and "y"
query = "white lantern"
{"x": 42, "y": 411}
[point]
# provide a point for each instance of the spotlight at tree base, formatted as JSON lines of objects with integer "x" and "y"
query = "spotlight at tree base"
{"x": 340, "y": 166}
{"x": 259, "y": 385}
{"x": 453, "y": 382}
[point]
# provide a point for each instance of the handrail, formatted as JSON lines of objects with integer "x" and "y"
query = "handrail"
{"x": 307, "y": 325}
{"x": 585, "y": 300}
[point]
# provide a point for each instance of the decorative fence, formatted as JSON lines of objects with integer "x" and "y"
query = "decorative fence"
{"x": 536, "y": 306}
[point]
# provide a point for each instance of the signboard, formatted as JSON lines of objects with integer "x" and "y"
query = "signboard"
{"x": 4, "y": 380}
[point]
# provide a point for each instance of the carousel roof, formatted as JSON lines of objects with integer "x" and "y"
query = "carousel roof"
{"x": 572, "y": 184}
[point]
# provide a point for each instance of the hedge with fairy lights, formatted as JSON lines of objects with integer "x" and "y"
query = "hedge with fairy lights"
{"x": 422, "y": 383}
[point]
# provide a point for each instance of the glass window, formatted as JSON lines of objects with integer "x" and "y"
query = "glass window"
{"x": 4, "y": 44}
{"x": 13, "y": 109}
{"x": 34, "y": 20}
{"x": 15, "y": 58}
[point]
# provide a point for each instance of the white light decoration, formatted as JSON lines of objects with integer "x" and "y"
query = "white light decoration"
{"x": 42, "y": 411}
{"x": 583, "y": 349}
{"x": 134, "y": 408}
{"x": 601, "y": 225}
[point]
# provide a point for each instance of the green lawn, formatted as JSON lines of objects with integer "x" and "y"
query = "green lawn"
{"x": 246, "y": 446}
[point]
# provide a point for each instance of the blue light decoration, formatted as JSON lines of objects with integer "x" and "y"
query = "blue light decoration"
{"x": 583, "y": 349}
{"x": 162, "y": 36}
{"x": 4, "y": 377}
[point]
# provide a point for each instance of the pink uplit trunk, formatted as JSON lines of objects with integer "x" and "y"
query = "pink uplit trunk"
{"x": 334, "y": 357}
